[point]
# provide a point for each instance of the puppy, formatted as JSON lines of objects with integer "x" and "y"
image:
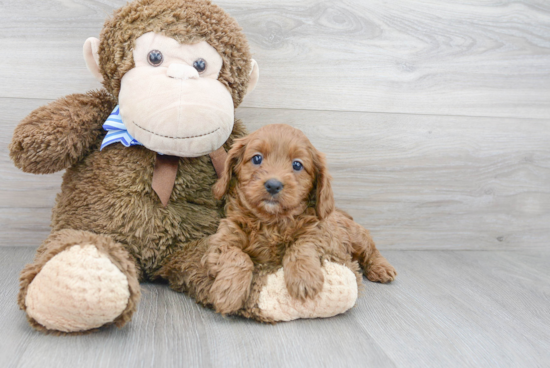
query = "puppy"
{"x": 280, "y": 212}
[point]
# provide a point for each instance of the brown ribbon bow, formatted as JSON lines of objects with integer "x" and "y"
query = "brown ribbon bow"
{"x": 166, "y": 169}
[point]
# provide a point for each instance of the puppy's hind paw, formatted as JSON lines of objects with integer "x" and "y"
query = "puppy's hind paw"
{"x": 382, "y": 272}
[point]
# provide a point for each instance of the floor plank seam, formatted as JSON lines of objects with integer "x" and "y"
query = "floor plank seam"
{"x": 395, "y": 113}
{"x": 342, "y": 111}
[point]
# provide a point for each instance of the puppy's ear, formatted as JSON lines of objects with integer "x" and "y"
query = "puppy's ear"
{"x": 324, "y": 198}
{"x": 234, "y": 157}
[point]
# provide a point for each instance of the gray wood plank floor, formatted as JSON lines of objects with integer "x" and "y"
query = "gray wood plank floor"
{"x": 446, "y": 309}
{"x": 441, "y": 57}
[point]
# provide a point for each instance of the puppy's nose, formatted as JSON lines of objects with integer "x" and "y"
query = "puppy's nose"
{"x": 273, "y": 186}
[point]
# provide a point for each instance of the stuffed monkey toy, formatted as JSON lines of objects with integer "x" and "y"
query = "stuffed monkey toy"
{"x": 141, "y": 156}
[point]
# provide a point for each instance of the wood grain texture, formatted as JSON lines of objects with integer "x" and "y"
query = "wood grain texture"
{"x": 446, "y": 309}
{"x": 418, "y": 182}
{"x": 465, "y": 309}
{"x": 489, "y": 58}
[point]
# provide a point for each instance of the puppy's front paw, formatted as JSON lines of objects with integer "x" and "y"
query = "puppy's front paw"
{"x": 381, "y": 271}
{"x": 230, "y": 289}
{"x": 303, "y": 281}
{"x": 232, "y": 270}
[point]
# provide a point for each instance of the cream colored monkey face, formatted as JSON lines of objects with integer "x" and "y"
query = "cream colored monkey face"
{"x": 172, "y": 101}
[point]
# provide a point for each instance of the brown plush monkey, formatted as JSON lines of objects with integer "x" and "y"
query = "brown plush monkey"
{"x": 136, "y": 202}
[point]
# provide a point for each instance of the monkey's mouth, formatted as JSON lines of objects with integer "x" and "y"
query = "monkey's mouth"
{"x": 171, "y": 137}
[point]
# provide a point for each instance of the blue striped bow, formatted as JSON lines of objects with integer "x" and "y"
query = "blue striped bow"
{"x": 117, "y": 132}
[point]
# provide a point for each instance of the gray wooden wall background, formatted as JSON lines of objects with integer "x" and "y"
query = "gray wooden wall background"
{"x": 435, "y": 115}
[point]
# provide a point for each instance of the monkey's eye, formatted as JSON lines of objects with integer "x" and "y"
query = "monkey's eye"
{"x": 257, "y": 160}
{"x": 155, "y": 57}
{"x": 200, "y": 65}
{"x": 297, "y": 165}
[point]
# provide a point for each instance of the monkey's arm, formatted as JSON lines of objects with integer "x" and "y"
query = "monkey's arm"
{"x": 56, "y": 136}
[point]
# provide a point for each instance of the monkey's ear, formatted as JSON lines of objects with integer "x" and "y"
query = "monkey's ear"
{"x": 254, "y": 76}
{"x": 91, "y": 57}
{"x": 234, "y": 157}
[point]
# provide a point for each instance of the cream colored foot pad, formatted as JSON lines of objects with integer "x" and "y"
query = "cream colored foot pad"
{"x": 77, "y": 290}
{"x": 338, "y": 295}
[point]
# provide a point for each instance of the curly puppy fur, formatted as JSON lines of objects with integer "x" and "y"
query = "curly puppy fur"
{"x": 109, "y": 193}
{"x": 297, "y": 228}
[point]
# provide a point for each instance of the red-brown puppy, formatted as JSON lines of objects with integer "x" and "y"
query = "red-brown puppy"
{"x": 280, "y": 211}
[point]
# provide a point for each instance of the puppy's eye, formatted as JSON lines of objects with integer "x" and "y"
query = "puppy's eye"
{"x": 257, "y": 160}
{"x": 155, "y": 58}
{"x": 200, "y": 65}
{"x": 297, "y": 165}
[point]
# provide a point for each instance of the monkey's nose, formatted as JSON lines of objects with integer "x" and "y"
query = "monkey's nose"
{"x": 273, "y": 186}
{"x": 181, "y": 71}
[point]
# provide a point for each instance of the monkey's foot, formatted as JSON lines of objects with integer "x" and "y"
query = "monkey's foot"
{"x": 78, "y": 289}
{"x": 338, "y": 295}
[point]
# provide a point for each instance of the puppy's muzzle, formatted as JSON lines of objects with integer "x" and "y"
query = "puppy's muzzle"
{"x": 273, "y": 186}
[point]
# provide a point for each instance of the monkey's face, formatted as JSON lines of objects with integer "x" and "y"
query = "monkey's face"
{"x": 172, "y": 101}
{"x": 177, "y": 91}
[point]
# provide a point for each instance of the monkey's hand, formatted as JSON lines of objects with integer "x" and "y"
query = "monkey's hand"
{"x": 56, "y": 136}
